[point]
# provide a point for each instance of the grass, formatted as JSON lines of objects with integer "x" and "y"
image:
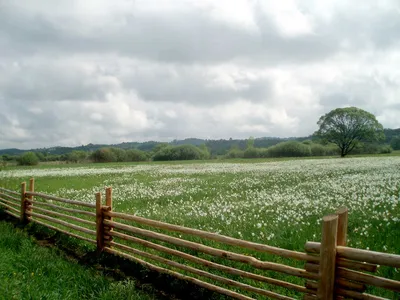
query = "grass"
{"x": 29, "y": 271}
{"x": 277, "y": 202}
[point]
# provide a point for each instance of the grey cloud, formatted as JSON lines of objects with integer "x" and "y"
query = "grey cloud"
{"x": 141, "y": 75}
{"x": 193, "y": 85}
{"x": 190, "y": 37}
{"x": 51, "y": 80}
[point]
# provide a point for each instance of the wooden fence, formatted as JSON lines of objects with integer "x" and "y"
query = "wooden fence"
{"x": 331, "y": 270}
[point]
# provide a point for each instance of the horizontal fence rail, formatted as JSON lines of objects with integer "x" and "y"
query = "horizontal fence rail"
{"x": 208, "y": 263}
{"x": 213, "y": 251}
{"x": 216, "y": 237}
{"x": 54, "y": 198}
{"x": 332, "y": 270}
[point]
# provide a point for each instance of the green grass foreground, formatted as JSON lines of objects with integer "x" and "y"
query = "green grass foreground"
{"x": 29, "y": 271}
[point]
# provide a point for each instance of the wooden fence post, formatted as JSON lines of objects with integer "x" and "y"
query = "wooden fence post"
{"x": 31, "y": 189}
{"x": 108, "y": 229}
{"x": 342, "y": 213}
{"x": 23, "y": 204}
{"x": 99, "y": 224}
{"x": 327, "y": 265}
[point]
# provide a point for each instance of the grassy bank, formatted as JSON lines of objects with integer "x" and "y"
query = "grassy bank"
{"x": 29, "y": 271}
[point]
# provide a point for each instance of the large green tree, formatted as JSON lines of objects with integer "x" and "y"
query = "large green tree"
{"x": 349, "y": 126}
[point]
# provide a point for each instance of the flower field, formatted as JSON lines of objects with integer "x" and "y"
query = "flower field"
{"x": 279, "y": 203}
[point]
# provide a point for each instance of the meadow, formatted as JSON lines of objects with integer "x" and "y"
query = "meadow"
{"x": 279, "y": 203}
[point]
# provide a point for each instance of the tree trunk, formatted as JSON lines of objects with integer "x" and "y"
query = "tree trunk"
{"x": 342, "y": 152}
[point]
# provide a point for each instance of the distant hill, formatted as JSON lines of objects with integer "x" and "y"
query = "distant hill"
{"x": 217, "y": 147}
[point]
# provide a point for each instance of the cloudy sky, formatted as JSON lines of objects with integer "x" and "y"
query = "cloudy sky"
{"x": 102, "y": 71}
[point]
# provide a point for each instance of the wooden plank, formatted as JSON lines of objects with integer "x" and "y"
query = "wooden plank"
{"x": 216, "y": 252}
{"x": 13, "y": 204}
{"x": 49, "y": 197}
{"x": 108, "y": 229}
{"x": 355, "y": 265}
{"x": 216, "y": 237}
{"x": 344, "y": 263}
{"x": 63, "y": 223}
{"x": 23, "y": 204}
{"x": 72, "y": 210}
{"x": 99, "y": 223}
{"x": 385, "y": 259}
{"x": 312, "y": 247}
{"x": 8, "y": 197}
{"x": 357, "y": 295}
{"x": 342, "y": 214}
{"x": 340, "y": 283}
{"x": 327, "y": 265}
{"x": 210, "y": 264}
{"x": 63, "y": 231}
{"x": 369, "y": 279}
{"x": 10, "y": 191}
{"x": 206, "y": 285}
{"x": 53, "y": 213}
{"x": 313, "y": 268}
{"x": 12, "y": 214}
{"x": 31, "y": 190}
{"x": 10, "y": 208}
{"x": 203, "y": 273}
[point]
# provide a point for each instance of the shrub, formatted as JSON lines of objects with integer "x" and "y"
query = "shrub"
{"x": 395, "y": 143}
{"x": 76, "y": 156}
{"x": 103, "y": 155}
{"x": 235, "y": 153}
{"x": 119, "y": 155}
{"x": 317, "y": 150}
{"x": 263, "y": 152}
{"x": 251, "y": 153}
{"x": 289, "y": 149}
{"x": 136, "y": 155}
{"x": 370, "y": 149}
{"x": 385, "y": 149}
{"x": 332, "y": 150}
{"x": 28, "y": 159}
{"x": 182, "y": 152}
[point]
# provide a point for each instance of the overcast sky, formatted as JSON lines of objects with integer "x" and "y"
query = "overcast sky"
{"x": 102, "y": 71}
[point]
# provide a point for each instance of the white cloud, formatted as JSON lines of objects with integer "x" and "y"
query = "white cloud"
{"x": 78, "y": 72}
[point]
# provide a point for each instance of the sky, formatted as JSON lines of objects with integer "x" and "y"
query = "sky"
{"x": 97, "y": 71}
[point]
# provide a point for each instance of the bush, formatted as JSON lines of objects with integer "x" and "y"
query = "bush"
{"x": 289, "y": 149}
{"x": 370, "y": 149}
{"x": 386, "y": 149}
{"x": 182, "y": 152}
{"x": 263, "y": 152}
{"x": 119, "y": 155}
{"x": 103, "y": 155}
{"x": 251, "y": 153}
{"x": 317, "y": 150}
{"x": 136, "y": 155}
{"x": 395, "y": 143}
{"x": 76, "y": 156}
{"x": 332, "y": 150}
{"x": 28, "y": 159}
{"x": 235, "y": 153}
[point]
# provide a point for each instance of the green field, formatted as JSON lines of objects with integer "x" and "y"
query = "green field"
{"x": 29, "y": 271}
{"x": 276, "y": 202}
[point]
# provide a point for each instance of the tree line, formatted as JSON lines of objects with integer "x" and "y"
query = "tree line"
{"x": 341, "y": 131}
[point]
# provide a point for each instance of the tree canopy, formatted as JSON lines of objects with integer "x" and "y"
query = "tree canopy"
{"x": 347, "y": 127}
